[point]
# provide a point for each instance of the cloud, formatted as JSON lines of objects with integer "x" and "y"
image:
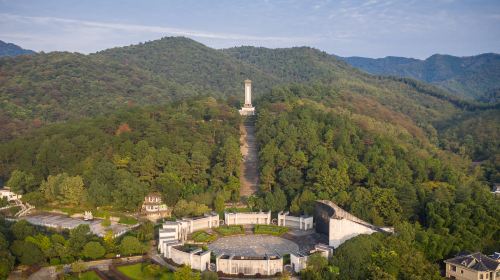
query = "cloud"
{"x": 95, "y": 30}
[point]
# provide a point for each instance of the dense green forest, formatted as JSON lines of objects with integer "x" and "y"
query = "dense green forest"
{"x": 45, "y": 88}
{"x": 186, "y": 150}
{"x": 191, "y": 63}
{"x": 376, "y": 170}
{"x": 471, "y": 77}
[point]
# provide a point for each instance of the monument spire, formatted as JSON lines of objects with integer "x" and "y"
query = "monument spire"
{"x": 248, "y": 109}
{"x": 248, "y": 93}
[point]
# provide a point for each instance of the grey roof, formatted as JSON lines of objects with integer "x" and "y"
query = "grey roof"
{"x": 476, "y": 261}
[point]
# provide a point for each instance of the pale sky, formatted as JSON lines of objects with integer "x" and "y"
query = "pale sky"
{"x": 370, "y": 28}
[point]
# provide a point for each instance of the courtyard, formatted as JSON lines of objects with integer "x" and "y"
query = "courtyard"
{"x": 253, "y": 245}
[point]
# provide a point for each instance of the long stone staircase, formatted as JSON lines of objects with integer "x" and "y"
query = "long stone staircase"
{"x": 249, "y": 173}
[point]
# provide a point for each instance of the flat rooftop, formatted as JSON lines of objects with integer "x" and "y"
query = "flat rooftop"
{"x": 65, "y": 222}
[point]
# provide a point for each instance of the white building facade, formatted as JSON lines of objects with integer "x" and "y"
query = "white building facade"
{"x": 296, "y": 222}
{"x": 247, "y": 218}
{"x": 233, "y": 265}
{"x": 196, "y": 258}
{"x": 9, "y": 195}
{"x": 299, "y": 261}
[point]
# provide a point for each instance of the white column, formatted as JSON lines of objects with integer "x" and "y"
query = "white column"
{"x": 248, "y": 92}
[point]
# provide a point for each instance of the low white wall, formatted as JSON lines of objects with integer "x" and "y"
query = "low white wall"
{"x": 342, "y": 230}
{"x": 186, "y": 226}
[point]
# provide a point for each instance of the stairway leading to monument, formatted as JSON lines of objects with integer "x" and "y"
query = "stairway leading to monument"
{"x": 249, "y": 173}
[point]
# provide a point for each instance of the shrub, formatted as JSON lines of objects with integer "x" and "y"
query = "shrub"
{"x": 270, "y": 229}
{"x": 202, "y": 236}
{"x": 229, "y": 230}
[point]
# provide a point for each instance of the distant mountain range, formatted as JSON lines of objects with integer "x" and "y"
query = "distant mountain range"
{"x": 472, "y": 77}
{"x": 9, "y": 49}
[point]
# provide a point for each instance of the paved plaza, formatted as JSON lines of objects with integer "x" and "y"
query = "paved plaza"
{"x": 253, "y": 245}
{"x": 65, "y": 222}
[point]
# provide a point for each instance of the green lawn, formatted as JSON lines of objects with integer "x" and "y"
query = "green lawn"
{"x": 229, "y": 230}
{"x": 126, "y": 220}
{"x": 238, "y": 210}
{"x": 136, "y": 272}
{"x": 270, "y": 229}
{"x": 203, "y": 236}
{"x": 89, "y": 275}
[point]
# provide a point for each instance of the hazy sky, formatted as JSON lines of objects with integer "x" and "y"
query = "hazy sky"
{"x": 372, "y": 28}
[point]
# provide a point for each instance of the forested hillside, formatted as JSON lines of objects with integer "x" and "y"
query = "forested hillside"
{"x": 57, "y": 86}
{"x": 426, "y": 111}
{"x": 9, "y": 49}
{"x": 473, "y": 77}
{"x": 377, "y": 171}
{"x": 187, "y": 150}
{"x": 45, "y": 88}
{"x": 191, "y": 63}
{"x": 313, "y": 66}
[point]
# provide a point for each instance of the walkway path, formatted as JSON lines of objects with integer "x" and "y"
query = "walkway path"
{"x": 249, "y": 173}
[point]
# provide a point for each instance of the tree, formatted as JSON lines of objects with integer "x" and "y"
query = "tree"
{"x": 6, "y": 259}
{"x": 185, "y": 273}
{"x": 219, "y": 204}
{"x": 22, "y": 229}
{"x": 78, "y": 267}
{"x": 146, "y": 231}
{"x": 73, "y": 190}
{"x": 78, "y": 237}
{"x": 93, "y": 250}
{"x": 64, "y": 188}
{"x": 109, "y": 241}
{"x": 27, "y": 252}
{"x": 131, "y": 245}
{"x": 35, "y": 198}
{"x": 184, "y": 208}
{"x": 21, "y": 182}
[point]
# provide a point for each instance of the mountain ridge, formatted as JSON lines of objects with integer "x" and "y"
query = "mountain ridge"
{"x": 472, "y": 77}
{"x": 10, "y": 49}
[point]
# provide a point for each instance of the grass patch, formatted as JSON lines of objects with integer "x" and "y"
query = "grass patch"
{"x": 238, "y": 210}
{"x": 270, "y": 229}
{"x": 89, "y": 275}
{"x": 203, "y": 236}
{"x": 229, "y": 230}
{"x": 145, "y": 271}
{"x": 126, "y": 220}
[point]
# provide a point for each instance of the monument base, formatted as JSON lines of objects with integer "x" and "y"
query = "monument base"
{"x": 247, "y": 111}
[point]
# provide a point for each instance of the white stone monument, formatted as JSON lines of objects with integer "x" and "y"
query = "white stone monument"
{"x": 248, "y": 109}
